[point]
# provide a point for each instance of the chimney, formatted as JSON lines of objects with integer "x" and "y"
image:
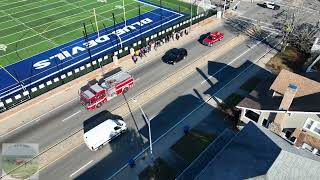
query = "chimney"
{"x": 277, "y": 124}
{"x": 288, "y": 97}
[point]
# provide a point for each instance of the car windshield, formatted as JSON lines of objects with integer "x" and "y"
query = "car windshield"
{"x": 117, "y": 122}
{"x": 210, "y": 37}
{"x": 174, "y": 51}
{"x": 84, "y": 100}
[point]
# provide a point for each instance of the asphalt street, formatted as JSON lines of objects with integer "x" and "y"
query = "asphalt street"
{"x": 304, "y": 13}
{"x": 164, "y": 110}
{"x": 64, "y": 121}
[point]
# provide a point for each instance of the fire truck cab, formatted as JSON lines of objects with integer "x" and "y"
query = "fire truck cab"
{"x": 113, "y": 83}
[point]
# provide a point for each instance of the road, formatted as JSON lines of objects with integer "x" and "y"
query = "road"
{"x": 305, "y": 12}
{"x": 68, "y": 119}
{"x": 164, "y": 110}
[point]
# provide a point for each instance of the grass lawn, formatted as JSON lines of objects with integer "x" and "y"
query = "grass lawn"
{"x": 160, "y": 171}
{"x": 23, "y": 172}
{"x": 31, "y": 27}
{"x": 192, "y": 144}
{"x": 290, "y": 59}
{"x": 250, "y": 84}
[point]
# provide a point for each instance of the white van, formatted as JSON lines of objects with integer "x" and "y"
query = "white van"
{"x": 103, "y": 133}
{"x": 270, "y": 5}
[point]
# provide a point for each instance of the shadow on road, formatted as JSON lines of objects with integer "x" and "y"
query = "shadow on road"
{"x": 98, "y": 119}
{"x": 130, "y": 144}
{"x": 253, "y": 29}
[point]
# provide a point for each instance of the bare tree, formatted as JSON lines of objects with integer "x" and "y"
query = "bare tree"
{"x": 295, "y": 31}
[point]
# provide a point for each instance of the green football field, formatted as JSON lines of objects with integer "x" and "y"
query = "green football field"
{"x": 29, "y": 27}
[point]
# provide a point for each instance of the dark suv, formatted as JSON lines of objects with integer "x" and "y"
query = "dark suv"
{"x": 174, "y": 55}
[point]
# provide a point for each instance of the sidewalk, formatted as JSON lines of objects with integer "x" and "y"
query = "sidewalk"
{"x": 38, "y": 107}
{"x": 197, "y": 118}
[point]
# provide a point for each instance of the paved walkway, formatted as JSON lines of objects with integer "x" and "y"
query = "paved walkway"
{"x": 199, "y": 118}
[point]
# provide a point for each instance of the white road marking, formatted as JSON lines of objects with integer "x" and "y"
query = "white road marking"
{"x": 124, "y": 166}
{"x": 71, "y": 115}
{"x": 130, "y": 38}
{"x": 37, "y": 119}
{"x": 251, "y": 48}
{"x": 80, "y": 168}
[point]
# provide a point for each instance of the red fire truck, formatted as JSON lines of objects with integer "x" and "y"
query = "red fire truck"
{"x": 113, "y": 83}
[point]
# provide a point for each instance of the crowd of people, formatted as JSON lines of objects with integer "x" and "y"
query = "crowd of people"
{"x": 154, "y": 44}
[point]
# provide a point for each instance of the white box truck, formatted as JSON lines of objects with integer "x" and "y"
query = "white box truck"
{"x": 103, "y": 133}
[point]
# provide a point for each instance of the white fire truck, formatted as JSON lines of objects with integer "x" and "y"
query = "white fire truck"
{"x": 113, "y": 83}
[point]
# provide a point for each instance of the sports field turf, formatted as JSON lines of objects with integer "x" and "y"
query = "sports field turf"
{"x": 29, "y": 27}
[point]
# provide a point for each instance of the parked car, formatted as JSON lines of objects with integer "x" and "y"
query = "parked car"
{"x": 270, "y": 5}
{"x": 175, "y": 55}
{"x": 103, "y": 133}
{"x": 211, "y": 38}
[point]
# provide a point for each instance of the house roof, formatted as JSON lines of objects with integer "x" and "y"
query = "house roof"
{"x": 257, "y": 152}
{"x": 261, "y": 97}
{"x": 305, "y": 86}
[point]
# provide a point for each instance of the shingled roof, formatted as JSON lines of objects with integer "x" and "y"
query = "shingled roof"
{"x": 306, "y": 99}
{"x": 257, "y": 153}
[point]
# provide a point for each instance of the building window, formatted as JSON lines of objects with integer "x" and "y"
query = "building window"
{"x": 265, "y": 123}
{"x": 308, "y": 124}
{"x": 317, "y": 129}
{"x": 307, "y": 147}
{"x": 252, "y": 115}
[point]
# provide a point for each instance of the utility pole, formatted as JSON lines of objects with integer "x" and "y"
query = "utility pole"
{"x": 161, "y": 15}
{"x": 115, "y": 31}
{"x": 140, "y": 21}
{"x": 190, "y": 14}
{"x": 149, "y": 127}
{"x": 224, "y": 7}
{"x": 85, "y": 36}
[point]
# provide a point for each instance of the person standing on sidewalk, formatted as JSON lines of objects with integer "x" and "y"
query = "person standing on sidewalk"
{"x": 134, "y": 59}
{"x": 177, "y": 36}
{"x": 142, "y": 52}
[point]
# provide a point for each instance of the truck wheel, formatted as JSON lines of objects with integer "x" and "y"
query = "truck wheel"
{"x": 126, "y": 89}
{"x": 99, "y": 105}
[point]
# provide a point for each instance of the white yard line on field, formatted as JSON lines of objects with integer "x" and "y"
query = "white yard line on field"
{"x": 49, "y": 15}
{"x": 8, "y": 4}
{"x": 49, "y": 22}
{"x": 26, "y": 9}
{"x": 120, "y": 14}
{"x": 13, "y": 90}
{"x": 124, "y": 37}
{"x": 17, "y": 20}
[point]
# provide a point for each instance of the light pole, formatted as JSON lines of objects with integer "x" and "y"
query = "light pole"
{"x": 115, "y": 31}
{"x": 224, "y": 7}
{"x": 148, "y": 123}
{"x": 190, "y": 14}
